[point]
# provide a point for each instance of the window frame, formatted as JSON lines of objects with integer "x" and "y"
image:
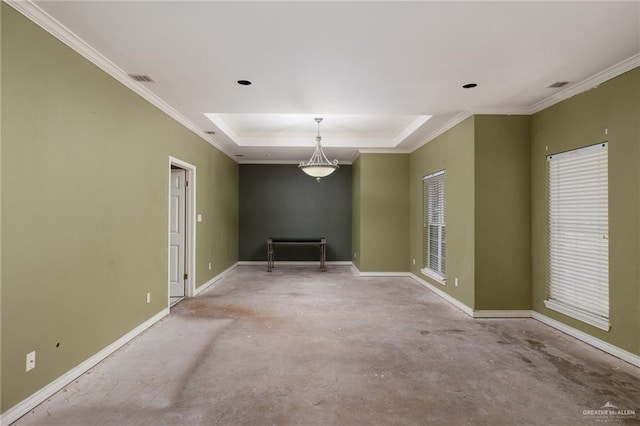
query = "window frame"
{"x": 438, "y": 178}
{"x": 578, "y": 235}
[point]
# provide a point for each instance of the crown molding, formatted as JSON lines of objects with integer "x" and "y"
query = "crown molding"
{"x": 268, "y": 162}
{"x": 587, "y": 84}
{"x": 55, "y": 28}
{"x": 580, "y": 87}
{"x": 452, "y": 122}
{"x": 412, "y": 127}
{"x": 513, "y": 110}
{"x": 342, "y": 163}
{"x": 41, "y": 18}
{"x": 574, "y": 89}
{"x": 383, "y": 151}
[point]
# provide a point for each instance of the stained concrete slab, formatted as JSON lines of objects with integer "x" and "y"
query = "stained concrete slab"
{"x": 300, "y": 347}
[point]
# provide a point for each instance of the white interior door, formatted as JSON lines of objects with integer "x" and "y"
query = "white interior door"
{"x": 177, "y": 233}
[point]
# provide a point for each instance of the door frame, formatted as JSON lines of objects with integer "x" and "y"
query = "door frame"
{"x": 190, "y": 227}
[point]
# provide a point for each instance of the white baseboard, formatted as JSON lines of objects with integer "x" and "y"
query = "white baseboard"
{"x": 22, "y": 408}
{"x": 294, "y": 263}
{"x": 384, "y": 274}
{"x": 360, "y": 273}
{"x": 455, "y": 302}
{"x": 502, "y": 314}
{"x": 589, "y": 339}
{"x": 213, "y": 280}
{"x": 580, "y": 335}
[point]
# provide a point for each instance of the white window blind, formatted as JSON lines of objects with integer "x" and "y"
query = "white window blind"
{"x": 435, "y": 225}
{"x": 578, "y": 282}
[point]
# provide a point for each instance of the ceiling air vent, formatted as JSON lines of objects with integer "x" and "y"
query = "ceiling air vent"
{"x": 142, "y": 78}
{"x": 558, "y": 84}
{"x": 210, "y": 132}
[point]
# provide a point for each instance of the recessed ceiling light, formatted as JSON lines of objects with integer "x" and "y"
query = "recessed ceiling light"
{"x": 244, "y": 82}
{"x": 469, "y": 85}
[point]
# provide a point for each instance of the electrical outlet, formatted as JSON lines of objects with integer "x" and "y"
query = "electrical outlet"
{"x": 414, "y": 261}
{"x": 209, "y": 265}
{"x": 456, "y": 283}
{"x": 355, "y": 255}
{"x": 148, "y": 297}
{"x": 31, "y": 361}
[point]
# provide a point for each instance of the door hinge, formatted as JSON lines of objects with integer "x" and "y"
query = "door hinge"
{"x": 186, "y": 276}
{"x": 186, "y": 183}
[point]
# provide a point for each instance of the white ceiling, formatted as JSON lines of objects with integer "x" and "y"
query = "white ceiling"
{"x": 375, "y": 71}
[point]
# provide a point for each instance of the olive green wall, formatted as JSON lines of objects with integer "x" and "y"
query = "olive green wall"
{"x": 502, "y": 213}
{"x": 454, "y": 152}
{"x": 0, "y": 208}
{"x": 84, "y": 184}
{"x": 355, "y": 212}
{"x": 614, "y": 108}
{"x": 384, "y": 212}
{"x": 84, "y": 174}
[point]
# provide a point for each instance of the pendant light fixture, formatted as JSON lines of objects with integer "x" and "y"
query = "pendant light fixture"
{"x": 318, "y": 165}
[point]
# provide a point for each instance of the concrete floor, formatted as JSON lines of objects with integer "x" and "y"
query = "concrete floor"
{"x": 300, "y": 347}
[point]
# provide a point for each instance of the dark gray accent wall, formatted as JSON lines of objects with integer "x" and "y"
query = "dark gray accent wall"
{"x": 279, "y": 200}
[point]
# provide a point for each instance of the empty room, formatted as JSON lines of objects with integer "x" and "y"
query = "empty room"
{"x": 319, "y": 212}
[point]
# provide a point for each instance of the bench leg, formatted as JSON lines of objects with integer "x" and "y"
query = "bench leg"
{"x": 323, "y": 258}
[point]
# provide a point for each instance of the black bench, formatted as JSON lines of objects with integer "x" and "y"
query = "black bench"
{"x": 321, "y": 243}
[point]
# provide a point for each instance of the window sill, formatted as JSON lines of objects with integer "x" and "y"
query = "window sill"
{"x": 594, "y": 320}
{"x": 434, "y": 276}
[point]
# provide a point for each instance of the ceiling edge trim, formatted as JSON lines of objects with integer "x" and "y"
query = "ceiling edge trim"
{"x": 588, "y": 83}
{"x": 45, "y": 21}
{"x": 383, "y": 151}
{"x": 222, "y": 126}
{"x": 454, "y": 121}
{"x": 502, "y": 111}
{"x": 38, "y": 16}
{"x": 345, "y": 163}
{"x": 411, "y": 128}
{"x": 580, "y": 87}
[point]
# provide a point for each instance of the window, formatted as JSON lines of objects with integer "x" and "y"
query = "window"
{"x": 578, "y": 282}
{"x": 434, "y": 226}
